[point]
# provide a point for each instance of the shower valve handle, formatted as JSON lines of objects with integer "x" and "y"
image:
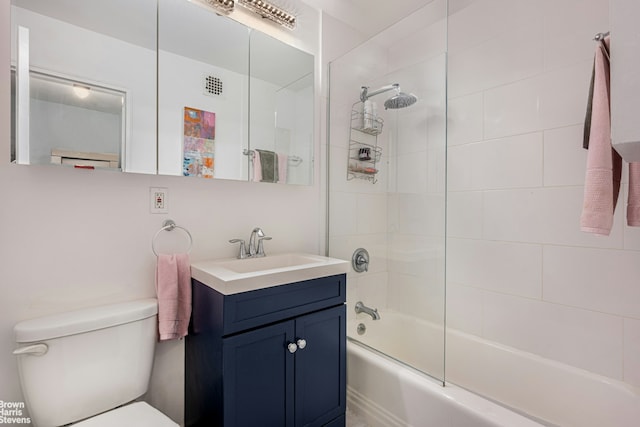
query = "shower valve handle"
{"x": 360, "y": 260}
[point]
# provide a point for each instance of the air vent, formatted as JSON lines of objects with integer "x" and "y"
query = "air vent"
{"x": 212, "y": 85}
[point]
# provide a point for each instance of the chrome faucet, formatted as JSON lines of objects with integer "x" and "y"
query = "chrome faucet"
{"x": 254, "y": 250}
{"x": 373, "y": 312}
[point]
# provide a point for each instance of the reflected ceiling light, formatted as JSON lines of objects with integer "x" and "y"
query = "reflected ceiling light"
{"x": 81, "y": 91}
{"x": 269, "y": 11}
{"x": 224, "y": 7}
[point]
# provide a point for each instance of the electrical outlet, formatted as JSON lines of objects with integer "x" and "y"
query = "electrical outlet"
{"x": 158, "y": 199}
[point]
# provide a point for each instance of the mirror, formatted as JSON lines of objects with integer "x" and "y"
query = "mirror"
{"x": 281, "y": 108}
{"x": 203, "y": 64}
{"x": 165, "y": 87}
{"x": 84, "y": 83}
{"x": 234, "y": 103}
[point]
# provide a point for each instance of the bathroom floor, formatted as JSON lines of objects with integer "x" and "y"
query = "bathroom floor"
{"x": 354, "y": 420}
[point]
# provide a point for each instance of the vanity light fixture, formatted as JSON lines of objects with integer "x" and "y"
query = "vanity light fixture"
{"x": 269, "y": 11}
{"x": 224, "y": 7}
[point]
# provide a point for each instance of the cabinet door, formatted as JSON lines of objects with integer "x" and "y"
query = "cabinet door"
{"x": 258, "y": 377}
{"x": 320, "y": 367}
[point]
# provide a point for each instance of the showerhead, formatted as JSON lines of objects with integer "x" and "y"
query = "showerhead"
{"x": 400, "y": 100}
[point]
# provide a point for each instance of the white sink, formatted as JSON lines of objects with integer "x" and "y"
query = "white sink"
{"x": 231, "y": 276}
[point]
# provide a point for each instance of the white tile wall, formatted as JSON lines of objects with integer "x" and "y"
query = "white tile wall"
{"x": 542, "y": 215}
{"x": 512, "y": 162}
{"x": 631, "y": 234}
{"x": 481, "y": 21}
{"x": 596, "y": 279}
{"x": 417, "y": 296}
{"x": 631, "y": 351}
{"x": 465, "y": 120}
{"x": 464, "y": 214}
{"x": 564, "y": 159}
{"x": 545, "y": 101}
{"x": 511, "y": 268}
{"x": 581, "y": 338}
{"x": 371, "y": 214}
{"x": 495, "y": 62}
{"x": 519, "y": 270}
{"x": 566, "y": 30}
{"x": 464, "y": 309}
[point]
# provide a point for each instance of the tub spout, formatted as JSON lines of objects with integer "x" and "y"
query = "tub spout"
{"x": 373, "y": 312}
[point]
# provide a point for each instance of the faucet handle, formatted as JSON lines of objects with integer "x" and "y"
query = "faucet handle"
{"x": 261, "y": 246}
{"x": 243, "y": 251}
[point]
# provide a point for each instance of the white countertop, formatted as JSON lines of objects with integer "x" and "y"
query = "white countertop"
{"x": 232, "y": 275}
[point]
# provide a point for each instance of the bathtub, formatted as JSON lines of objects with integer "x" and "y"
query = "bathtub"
{"x": 383, "y": 392}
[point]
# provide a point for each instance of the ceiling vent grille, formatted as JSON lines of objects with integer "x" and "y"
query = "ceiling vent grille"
{"x": 212, "y": 85}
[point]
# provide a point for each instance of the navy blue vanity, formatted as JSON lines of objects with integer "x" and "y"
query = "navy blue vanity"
{"x": 272, "y": 357}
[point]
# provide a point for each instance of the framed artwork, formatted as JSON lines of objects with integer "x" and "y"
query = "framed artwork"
{"x": 198, "y": 143}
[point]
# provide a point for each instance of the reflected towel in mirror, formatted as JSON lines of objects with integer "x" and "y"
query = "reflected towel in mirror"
{"x": 268, "y": 165}
{"x": 283, "y": 164}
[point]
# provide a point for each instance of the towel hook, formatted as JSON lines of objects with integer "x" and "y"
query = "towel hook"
{"x": 600, "y": 36}
{"x": 170, "y": 225}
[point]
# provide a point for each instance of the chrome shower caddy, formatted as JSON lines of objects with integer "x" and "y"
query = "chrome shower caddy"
{"x": 364, "y": 153}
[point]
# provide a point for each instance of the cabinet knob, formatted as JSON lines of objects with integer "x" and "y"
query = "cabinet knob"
{"x": 292, "y": 347}
{"x": 302, "y": 343}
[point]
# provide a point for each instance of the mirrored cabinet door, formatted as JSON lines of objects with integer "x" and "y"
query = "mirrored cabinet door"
{"x": 281, "y": 107}
{"x": 84, "y": 83}
{"x": 203, "y": 67}
{"x": 167, "y": 87}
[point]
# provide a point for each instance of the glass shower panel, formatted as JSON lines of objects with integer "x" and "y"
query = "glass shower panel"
{"x": 400, "y": 216}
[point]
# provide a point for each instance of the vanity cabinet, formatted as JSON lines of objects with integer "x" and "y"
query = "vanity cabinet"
{"x": 268, "y": 357}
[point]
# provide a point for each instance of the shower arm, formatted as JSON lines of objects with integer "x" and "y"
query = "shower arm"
{"x": 365, "y": 94}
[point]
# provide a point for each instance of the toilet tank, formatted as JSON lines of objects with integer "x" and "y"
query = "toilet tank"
{"x": 94, "y": 359}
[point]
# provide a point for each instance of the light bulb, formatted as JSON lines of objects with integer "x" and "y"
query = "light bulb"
{"x": 81, "y": 91}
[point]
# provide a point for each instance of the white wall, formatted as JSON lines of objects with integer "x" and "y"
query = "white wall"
{"x": 519, "y": 270}
{"x": 79, "y": 238}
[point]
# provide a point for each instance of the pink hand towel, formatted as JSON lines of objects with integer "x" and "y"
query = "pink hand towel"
{"x": 604, "y": 164}
{"x": 173, "y": 286}
{"x": 633, "y": 204}
{"x": 283, "y": 167}
{"x": 257, "y": 167}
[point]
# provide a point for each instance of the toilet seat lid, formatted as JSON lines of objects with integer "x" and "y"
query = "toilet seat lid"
{"x": 139, "y": 414}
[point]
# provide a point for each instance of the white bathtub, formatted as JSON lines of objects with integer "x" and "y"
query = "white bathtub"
{"x": 386, "y": 393}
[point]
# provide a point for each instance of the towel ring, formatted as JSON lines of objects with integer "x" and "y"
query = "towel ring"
{"x": 170, "y": 225}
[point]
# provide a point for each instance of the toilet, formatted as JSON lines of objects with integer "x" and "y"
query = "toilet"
{"x": 87, "y": 367}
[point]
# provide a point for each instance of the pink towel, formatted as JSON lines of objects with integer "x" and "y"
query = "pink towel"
{"x": 633, "y": 204}
{"x": 604, "y": 164}
{"x": 283, "y": 165}
{"x": 173, "y": 286}
{"x": 257, "y": 167}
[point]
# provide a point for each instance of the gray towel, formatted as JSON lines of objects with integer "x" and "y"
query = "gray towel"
{"x": 268, "y": 165}
{"x": 587, "y": 119}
